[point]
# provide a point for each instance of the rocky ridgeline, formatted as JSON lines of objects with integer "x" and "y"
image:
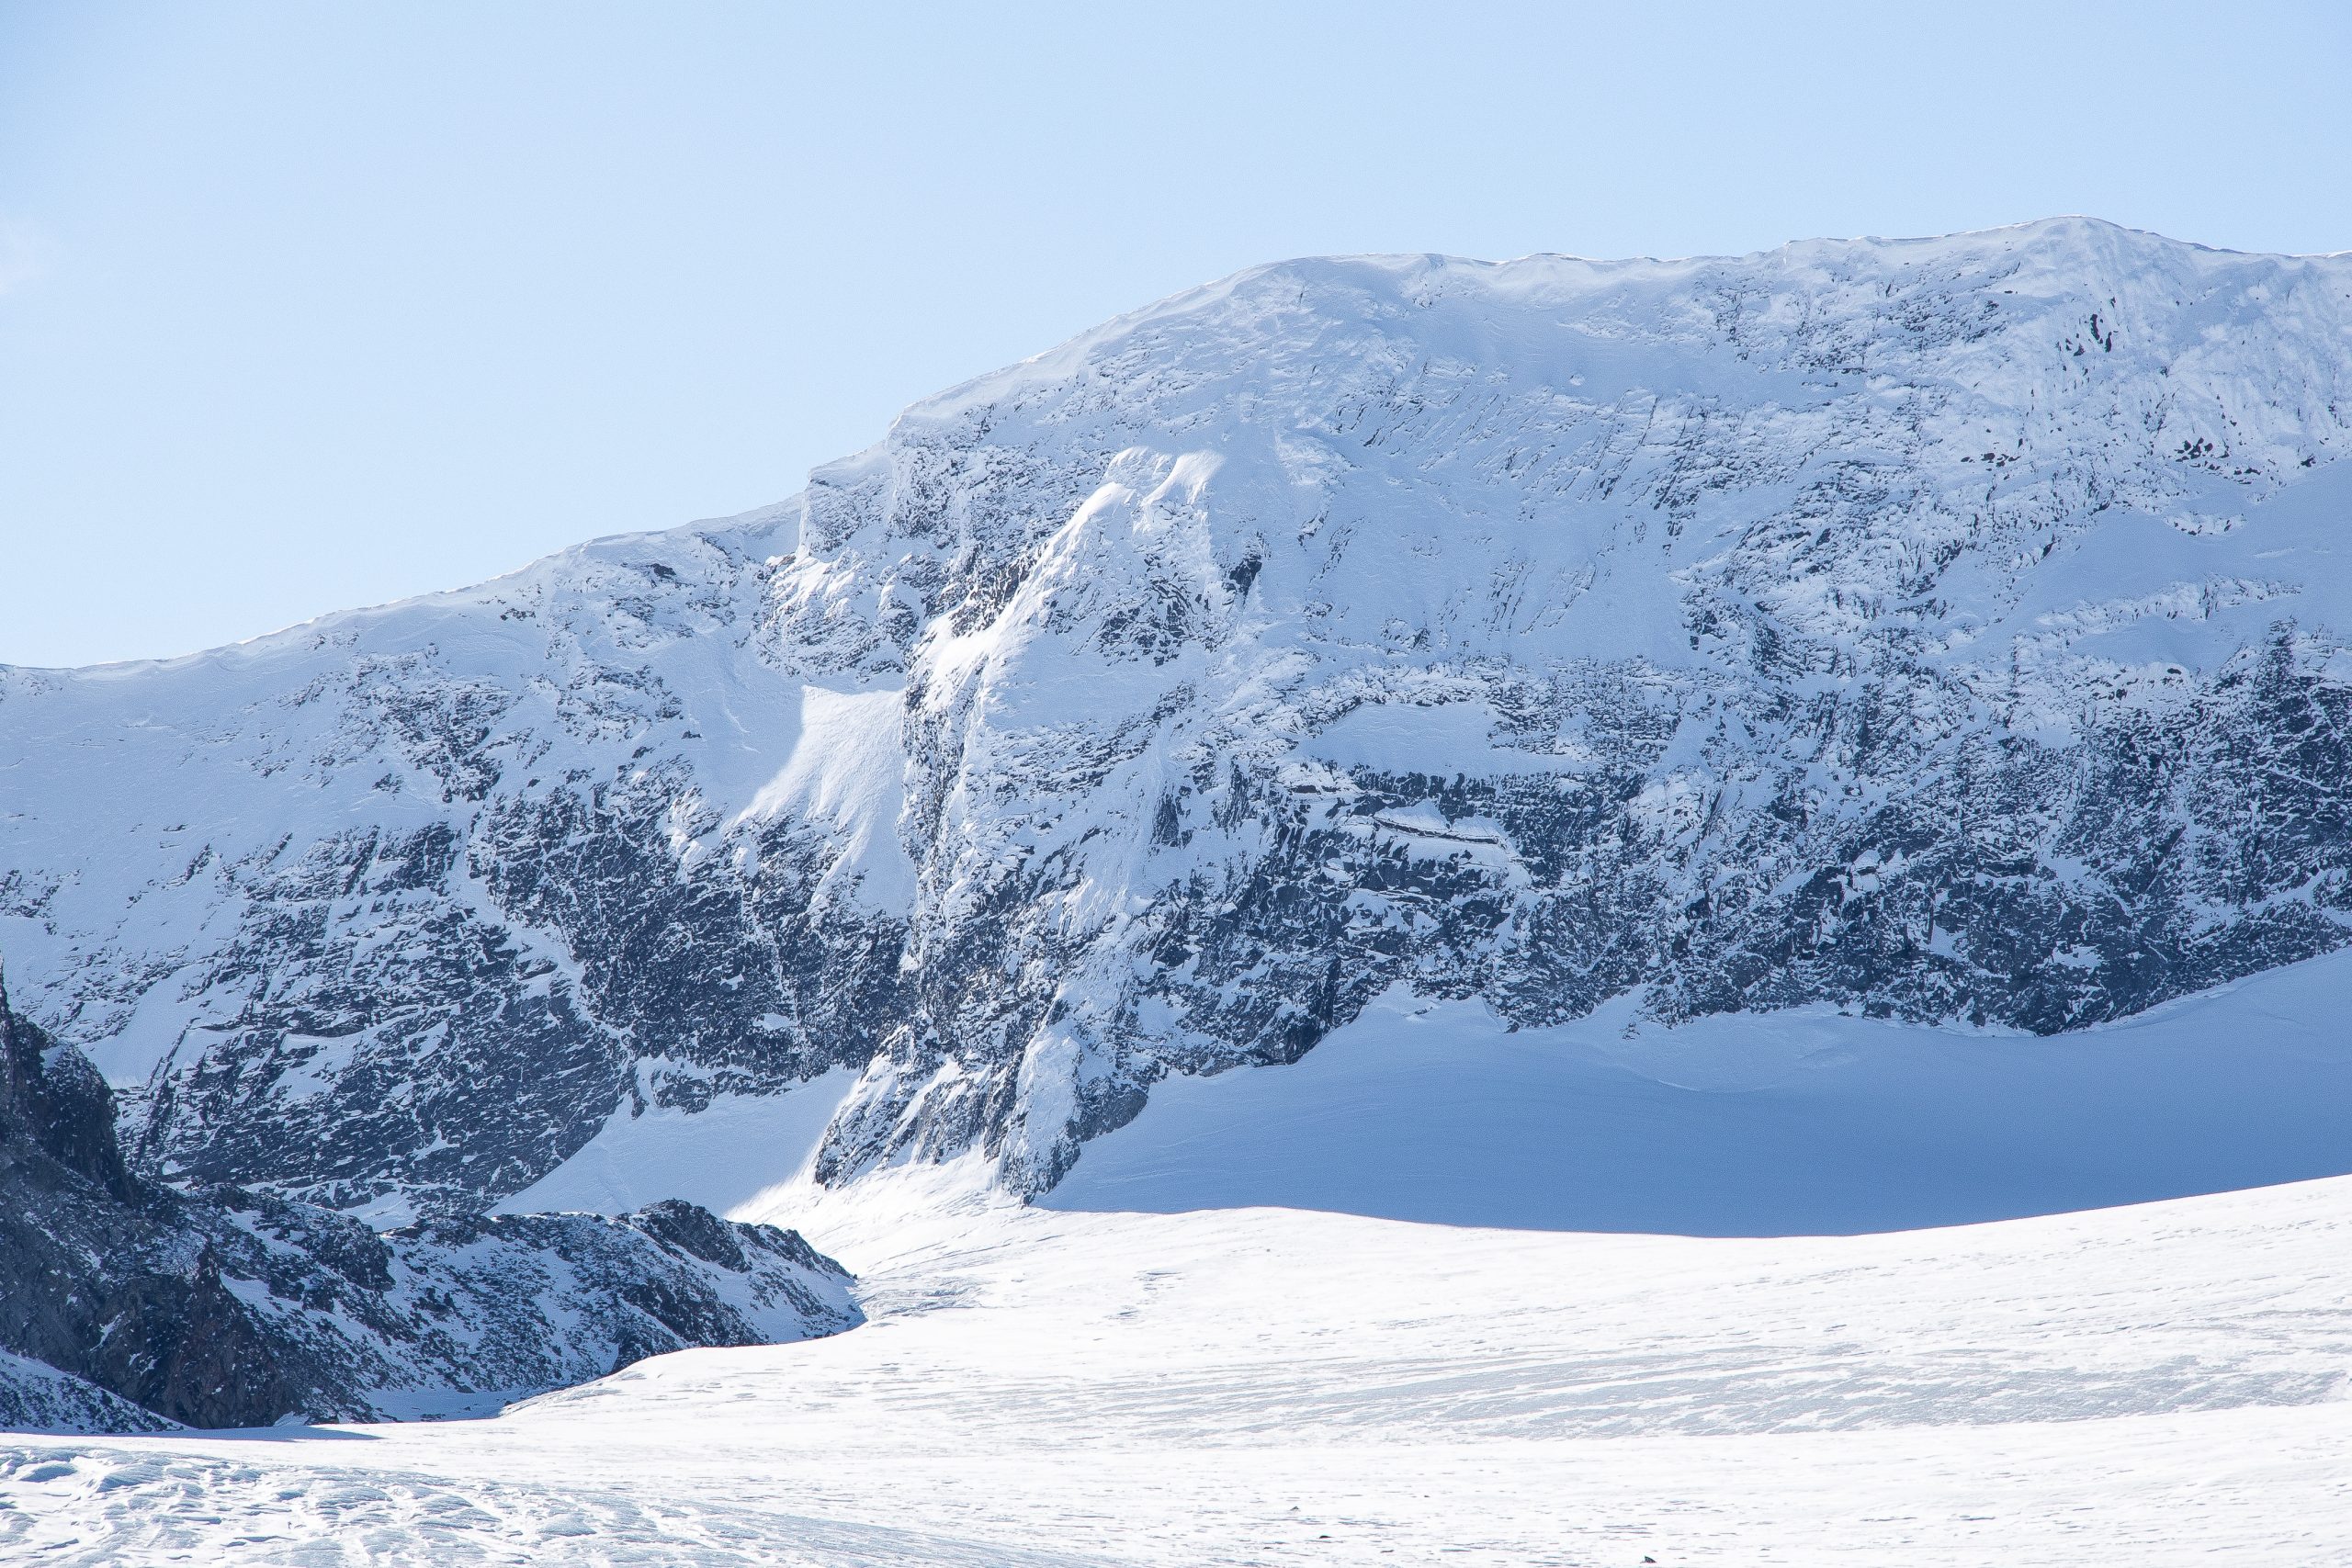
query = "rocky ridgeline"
{"x": 126, "y": 1306}
{"x": 1948, "y": 630}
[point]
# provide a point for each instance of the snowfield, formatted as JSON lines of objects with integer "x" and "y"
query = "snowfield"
{"x": 1800, "y": 1122}
{"x": 2158, "y": 1384}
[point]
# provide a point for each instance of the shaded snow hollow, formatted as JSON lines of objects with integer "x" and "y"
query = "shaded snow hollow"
{"x": 1788, "y": 1123}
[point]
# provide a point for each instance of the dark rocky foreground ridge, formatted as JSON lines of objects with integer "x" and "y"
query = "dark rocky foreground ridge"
{"x": 1951, "y": 631}
{"x": 128, "y": 1306}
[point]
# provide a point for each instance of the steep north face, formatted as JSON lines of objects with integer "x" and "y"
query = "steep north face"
{"x": 1946, "y": 629}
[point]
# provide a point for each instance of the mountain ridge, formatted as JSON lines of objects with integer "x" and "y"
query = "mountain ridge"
{"x": 777, "y": 510}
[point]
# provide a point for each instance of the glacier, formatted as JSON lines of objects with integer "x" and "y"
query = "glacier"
{"x": 2161, "y": 1385}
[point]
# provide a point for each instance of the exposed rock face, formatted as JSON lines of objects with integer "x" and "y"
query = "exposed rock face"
{"x": 35, "y": 1397}
{"x": 1945, "y": 629}
{"x": 124, "y": 1305}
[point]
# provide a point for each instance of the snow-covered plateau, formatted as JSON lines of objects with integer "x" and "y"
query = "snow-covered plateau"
{"x": 1237, "y": 873}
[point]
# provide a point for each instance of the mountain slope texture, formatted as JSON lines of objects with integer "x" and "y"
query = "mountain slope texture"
{"x": 1945, "y": 630}
{"x": 126, "y": 1306}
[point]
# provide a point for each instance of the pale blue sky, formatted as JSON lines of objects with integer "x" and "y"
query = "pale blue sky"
{"x": 310, "y": 305}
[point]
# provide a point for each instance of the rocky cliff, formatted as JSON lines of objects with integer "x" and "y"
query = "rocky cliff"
{"x": 128, "y": 1305}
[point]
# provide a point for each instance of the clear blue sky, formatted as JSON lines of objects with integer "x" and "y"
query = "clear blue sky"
{"x": 310, "y": 305}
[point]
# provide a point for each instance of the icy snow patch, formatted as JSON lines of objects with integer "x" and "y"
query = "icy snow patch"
{"x": 848, "y": 771}
{"x": 1440, "y": 741}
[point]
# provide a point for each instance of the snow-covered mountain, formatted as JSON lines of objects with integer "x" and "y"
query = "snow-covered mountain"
{"x": 1947, "y": 630}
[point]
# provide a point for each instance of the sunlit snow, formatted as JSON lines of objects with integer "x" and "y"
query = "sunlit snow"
{"x": 2155, "y": 1386}
{"x": 721, "y": 1157}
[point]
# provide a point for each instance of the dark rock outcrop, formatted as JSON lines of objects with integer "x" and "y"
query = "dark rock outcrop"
{"x": 126, "y": 1302}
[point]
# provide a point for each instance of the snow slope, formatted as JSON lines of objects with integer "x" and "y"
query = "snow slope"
{"x": 1798, "y": 742}
{"x": 721, "y": 1156}
{"x": 1738, "y": 1124}
{"x": 1799, "y": 1122}
{"x": 2159, "y": 1386}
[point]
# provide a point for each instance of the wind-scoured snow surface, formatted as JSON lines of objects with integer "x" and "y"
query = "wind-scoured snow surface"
{"x": 2156, "y": 1386}
{"x": 1950, "y": 631}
